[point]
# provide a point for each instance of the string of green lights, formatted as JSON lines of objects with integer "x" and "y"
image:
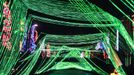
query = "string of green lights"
{"x": 21, "y": 24}
{"x": 87, "y": 15}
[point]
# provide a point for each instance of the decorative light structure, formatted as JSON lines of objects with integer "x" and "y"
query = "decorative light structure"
{"x": 7, "y": 27}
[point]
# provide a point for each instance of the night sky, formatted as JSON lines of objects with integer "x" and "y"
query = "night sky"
{"x": 107, "y": 6}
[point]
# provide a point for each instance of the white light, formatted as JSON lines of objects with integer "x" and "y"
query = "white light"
{"x": 35, "y": 25}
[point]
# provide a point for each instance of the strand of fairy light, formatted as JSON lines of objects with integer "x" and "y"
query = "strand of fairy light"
{"x": 86, "y": 16}
{"x": 11, "y": 62}
{"x": 127, "y": 5}
{"x": 123, "y": 31}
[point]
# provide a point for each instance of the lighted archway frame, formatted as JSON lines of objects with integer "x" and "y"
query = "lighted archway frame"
{"x": 111, "y": 56}
{"x": 121, "y": 28}
{"x": 19, "y": 15}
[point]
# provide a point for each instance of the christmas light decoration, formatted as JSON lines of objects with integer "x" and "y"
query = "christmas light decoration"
{"x": 16, "y": 23}
{"x": 7, "y": 27}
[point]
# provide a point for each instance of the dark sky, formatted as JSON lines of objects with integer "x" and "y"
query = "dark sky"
{"x": 107, "y": 6}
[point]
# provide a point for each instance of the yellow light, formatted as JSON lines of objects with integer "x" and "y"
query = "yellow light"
{"x": 21, "y": 22}
{"x": 21, "y": 28}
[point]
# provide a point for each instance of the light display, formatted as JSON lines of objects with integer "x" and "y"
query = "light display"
{"x": 29, "y": 40}
{"x": 7, "y": 27}
{"x": 17, "y": 22}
